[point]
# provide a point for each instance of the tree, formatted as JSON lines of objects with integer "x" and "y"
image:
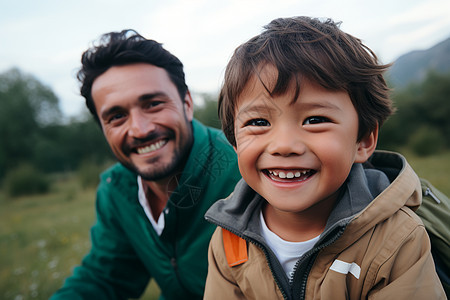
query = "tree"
{"x": 83, "y": 141}
{"x": 207, "y": 112}
{"x": 26, "y": 106}
{"x": 422, "y": 110}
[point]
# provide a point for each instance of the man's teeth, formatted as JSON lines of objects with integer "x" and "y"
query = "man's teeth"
{"x": 151, "y": 147}
{"x": 289, "y": 174}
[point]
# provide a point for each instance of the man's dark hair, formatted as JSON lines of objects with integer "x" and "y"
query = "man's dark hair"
{"x": 124, "y": 48}
{"x": 318, "y": 50}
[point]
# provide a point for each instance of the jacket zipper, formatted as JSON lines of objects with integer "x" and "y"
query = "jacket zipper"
{"x": 314, "y": 252}
{"x": 259, "y": 245}
{"x": 428, "y": 192}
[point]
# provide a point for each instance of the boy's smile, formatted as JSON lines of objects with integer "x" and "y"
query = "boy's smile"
{"x": 297, "y": 155}
{"x": 288, "y": 175}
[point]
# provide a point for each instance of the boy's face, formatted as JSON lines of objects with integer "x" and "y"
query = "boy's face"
{"x": 297, "y": 155}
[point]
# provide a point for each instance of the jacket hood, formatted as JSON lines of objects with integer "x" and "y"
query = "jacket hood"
{"x": 404, "y": 181}
{"x": 404, "y": 190}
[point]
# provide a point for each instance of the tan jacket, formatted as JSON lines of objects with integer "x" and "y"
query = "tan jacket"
{"x": 381, "y": 252}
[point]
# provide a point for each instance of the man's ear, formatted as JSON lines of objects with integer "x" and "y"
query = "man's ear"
{"x": 188, "y": 106}
{"x": 366, "y": 146}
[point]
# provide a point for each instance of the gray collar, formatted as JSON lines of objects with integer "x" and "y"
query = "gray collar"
{"x": 239, "y": 212}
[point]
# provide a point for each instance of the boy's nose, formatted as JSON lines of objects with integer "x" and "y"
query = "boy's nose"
{"x": 140, "y": 125}
{"x": 286, "y": 142}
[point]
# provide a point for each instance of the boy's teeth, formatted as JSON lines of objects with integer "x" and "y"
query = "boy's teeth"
{"x": 289, "y": 174}
{"x": 151, "y": 147}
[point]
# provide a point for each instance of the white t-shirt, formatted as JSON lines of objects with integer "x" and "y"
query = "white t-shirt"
{"x": 157, "y": 225}
{"x": 288, "y": 253}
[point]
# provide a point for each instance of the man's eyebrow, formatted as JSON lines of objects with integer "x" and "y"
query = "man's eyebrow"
{"x": 110, "y": 111}
{"x": 151, "y": 96}
{"x": 143, "y": 97}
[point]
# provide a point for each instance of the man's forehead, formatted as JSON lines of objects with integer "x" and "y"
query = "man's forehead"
{"x": 139, "y": 78}
{"x": 131, "y": 73}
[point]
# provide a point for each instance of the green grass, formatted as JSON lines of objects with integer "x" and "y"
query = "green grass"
{"x": 42, "y": 238}
{"x": 435, "y": 168}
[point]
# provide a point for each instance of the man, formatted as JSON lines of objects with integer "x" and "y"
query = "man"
{"x": 150, "y": 206}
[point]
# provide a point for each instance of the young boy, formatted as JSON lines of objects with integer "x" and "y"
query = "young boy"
{"x": 301, "y": 104}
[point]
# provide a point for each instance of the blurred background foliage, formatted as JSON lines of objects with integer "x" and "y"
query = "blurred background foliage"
{"x": 422, "y": 121}
{"x": 35, "y": 138}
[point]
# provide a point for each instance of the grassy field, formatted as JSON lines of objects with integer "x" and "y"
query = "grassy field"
{"x": 434, "y": 168}
{"x": 43, "y": 237}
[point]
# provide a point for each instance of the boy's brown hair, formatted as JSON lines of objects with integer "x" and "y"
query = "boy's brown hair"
{"x": 315, "y": 49}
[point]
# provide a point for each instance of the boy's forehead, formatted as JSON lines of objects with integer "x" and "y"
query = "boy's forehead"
{"x": 257, "y": 96}
{"x": 259, "y": 83}
{"x": 266, "y": 74}
{"x": 253, "y": 94}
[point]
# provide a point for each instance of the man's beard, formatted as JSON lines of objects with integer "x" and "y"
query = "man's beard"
{"x": 171, "y": 169}
{"x": 180, "y": 156}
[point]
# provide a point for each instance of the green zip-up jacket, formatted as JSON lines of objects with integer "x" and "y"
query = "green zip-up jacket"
{"x": 127, "y": 252}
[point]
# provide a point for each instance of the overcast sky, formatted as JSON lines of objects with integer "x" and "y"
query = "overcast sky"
{"x": 45, "y": 38}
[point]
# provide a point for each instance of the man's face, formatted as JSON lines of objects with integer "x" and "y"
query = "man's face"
{"x": 146, "y": 124}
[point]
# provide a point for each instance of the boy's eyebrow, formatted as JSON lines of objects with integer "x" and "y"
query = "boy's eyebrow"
{"x": 256, "y": 108}
{"x": 269, "y": 109}
{"x": 317, "y": 105}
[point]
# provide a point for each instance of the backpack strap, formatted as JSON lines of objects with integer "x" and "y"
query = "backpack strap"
{"x": 435, "y": 214}
{"x": 235, "y": 248}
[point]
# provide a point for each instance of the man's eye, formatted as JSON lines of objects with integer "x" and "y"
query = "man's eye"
{"x": 116, "y": 117}
{"x": 153, "y": 104}
{"x": 257, "y": 122}
{"x": 315, "y": 120}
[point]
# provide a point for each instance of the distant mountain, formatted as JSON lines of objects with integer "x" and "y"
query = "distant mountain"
{"x": 414, "y": 66}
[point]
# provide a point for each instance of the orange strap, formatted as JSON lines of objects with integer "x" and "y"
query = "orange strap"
{"x": 235, "y": 248}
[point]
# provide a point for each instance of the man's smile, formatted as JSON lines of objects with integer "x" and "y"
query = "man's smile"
{"x": 152, "y": 147}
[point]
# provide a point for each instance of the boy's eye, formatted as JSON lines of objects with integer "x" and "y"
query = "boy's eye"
{"x": 257, "y": 122}
{"x": 315, "y": 120}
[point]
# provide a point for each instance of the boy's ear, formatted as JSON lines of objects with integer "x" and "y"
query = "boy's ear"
{"x": 366, "y": 146}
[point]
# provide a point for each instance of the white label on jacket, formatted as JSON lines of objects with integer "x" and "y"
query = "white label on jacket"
{"x": 345, "y": 268}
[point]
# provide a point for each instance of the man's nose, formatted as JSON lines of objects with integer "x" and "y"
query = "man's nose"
{"x": 140, "y": 125}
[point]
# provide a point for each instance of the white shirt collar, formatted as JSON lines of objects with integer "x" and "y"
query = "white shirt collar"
{"x": 157, "y": 225}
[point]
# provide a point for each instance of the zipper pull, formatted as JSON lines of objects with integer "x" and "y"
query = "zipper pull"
{"x": 428, "y": 192}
